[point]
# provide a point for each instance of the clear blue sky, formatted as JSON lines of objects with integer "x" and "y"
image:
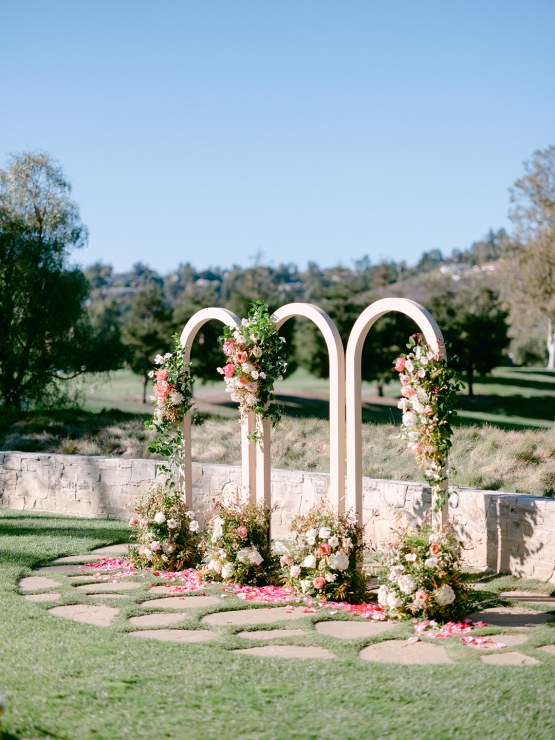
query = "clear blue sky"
{"x": 320, "y": 130}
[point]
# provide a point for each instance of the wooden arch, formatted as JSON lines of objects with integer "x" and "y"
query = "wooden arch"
{"x": 362, "y": 326}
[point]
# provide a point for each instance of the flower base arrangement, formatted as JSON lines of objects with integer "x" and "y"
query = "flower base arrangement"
{"x": 429, "y": 393}
{"x": 322, "y": 559}
{"x": 255, "y": 360}
{"x": 424, "y": 579}
{"x": 237, "y": 548}
{"x": 166, "y": 531}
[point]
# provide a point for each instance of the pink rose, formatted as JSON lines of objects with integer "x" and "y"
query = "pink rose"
{"x": 422, "y": 595}
{"x": 242, "y": 531}
{"x": 228, "y": 348}
{"x": 400, "y": 364}
{"x": 319, "y": 582}
{"x": 162, "y": 389}
{"x": 229, "y": 370}
{"x": 428, "y": 409}
{"x": 417, "y": 448}
{"x": 141, "y": 549}
{"x": 404, "y": 379}
{"x": 133, "y": 521}
{"x": 161, "y": 374}
{"x": 407, "y": 391}
{"x": 295, "y": 571}
{"x": 325, "y": 548}
{"x": 285, "y": 560}
{"x": 242, "y": 356}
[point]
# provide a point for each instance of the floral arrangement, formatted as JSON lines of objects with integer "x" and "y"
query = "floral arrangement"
{"x": 166, "y": 530}
{"x": 424, "y": 578}
{"x": 323, "y": 556}
{"x": 429, "y": 392}
{"x": 255, "y": 360}
{"x": 173, "y": 397}
{"x": 237, "y": 547}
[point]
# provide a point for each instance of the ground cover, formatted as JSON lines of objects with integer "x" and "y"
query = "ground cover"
{"x": 63, "y": 679}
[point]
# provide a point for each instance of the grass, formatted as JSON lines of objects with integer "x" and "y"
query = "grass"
{"x": 485, "y": 456}
{"x": 65, "y": 680}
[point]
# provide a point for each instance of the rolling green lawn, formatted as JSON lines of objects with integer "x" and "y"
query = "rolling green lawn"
{"x": 513, "y": 398}
{"x": 64, "y": 680}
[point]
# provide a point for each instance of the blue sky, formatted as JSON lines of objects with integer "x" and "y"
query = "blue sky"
{"x": 210, "y": 131}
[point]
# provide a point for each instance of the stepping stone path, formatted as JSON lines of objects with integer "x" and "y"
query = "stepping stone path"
{"x": 508, "y": 659}
{"x": 511, "y": 616}
{"x": 42, "y": 597}
{"x": 253, "y": 616}
{"x": 66, "y": 569}
{"x": 508, "y": 640}
{"x": 108, "y": 596}
{"x": 186, "y": 602}
{"x": 407, "y": 653}
{"x": 90, "y": 588}
{"x": 270, "y": 634}
{"x": 33, "y": 583}
{"x": 549, "y": 649}
{"x": 176, "y": 635}
{"x": 528, "y": 596}
{"x": 287, "y": 651}
{"x": 101, "y": 616}
{"x": 156, "y": 620}
{"x": 115, "y": 549}
{"x": 73, "y": 559}
{"x": 352, "y": 630}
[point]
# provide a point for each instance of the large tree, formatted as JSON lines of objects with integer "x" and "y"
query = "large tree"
{"x": 529, "y": 264}
{"x": 45, "y": 332}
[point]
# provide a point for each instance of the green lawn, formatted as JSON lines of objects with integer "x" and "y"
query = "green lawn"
{"x": 66, "y": 680}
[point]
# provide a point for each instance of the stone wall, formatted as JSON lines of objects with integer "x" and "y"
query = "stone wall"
{"x": 507, "y": 532}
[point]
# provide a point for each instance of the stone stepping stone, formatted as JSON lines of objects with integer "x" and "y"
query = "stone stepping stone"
{"x": 109, "y": 596}
{"x": 407, "y": 653}
{"x": 253, "y": 616}
{"x": 352, "y": 630}
{"x": 186, "y": 602}
{"x": 176, "y": 635}
{"x": 90, "y": 588}
{"x": 116, "y": 549}
{"x": 101, "y": 616}
{"x": 66, "y": 569}
{"x": 287, "y": 651}
{"x": 270, "y": 634}
{"x": 156, "y": 620}
{"x": 549, "y": 649}
{"x": 508, "y": 640}
{"x": 511, "y": 616}
{"x": 33, "y": 583}
{"x": 528, "y": 596}
{"x": 42, "y": 597}
{"x": 167, "y": 591}
{"x": 513, "y": 658}
{"x": 73, "y": 559}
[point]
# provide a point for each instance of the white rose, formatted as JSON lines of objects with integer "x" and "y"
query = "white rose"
{"x": 155, "y": 546}
{"x": 421, "y": 373}
{"x": 409, "y": 367}
{"x": 383, "y": 593}
{"x": 257, "y": 352}
{"x": 247, "y": 367}
{"x": 411, "y": 557}
{"x": 309, "y": 562}
{"x": 431, "y": 563}
{"x": 306, "y": 586}
{"x": 407, "y": 584}
{"x": 255, "y": 557}
{"x": 243, "y": 555}
{"x": 280, "y": 547}
{"x": 193, "y": 526}
{"x": 339, "y": 561}
{"x": 262, "y": 375}
{"x": 227, "y": 570}
{"x": 394, "y": 601}
{"x": 160, "y": 517}
{"x": 147, "y": 553}
{"x": 255, "y": 374}
{"x": 165, "y": 558}
{"x": 333, "y": 541}
{"x": 324, "y": 533}
{"x": 331, "y": 577}
{"x": 444, "y": 595}
{"x": 295, "y": 571}
{"x": 311, "y": 540}
{"x": 252, "y": 387}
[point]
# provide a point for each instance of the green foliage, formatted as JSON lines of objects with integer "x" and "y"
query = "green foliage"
{"x": 46, "y": 335}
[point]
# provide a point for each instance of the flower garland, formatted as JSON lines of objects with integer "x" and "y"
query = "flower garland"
{"x": 238, "y": 548}
{"x": 424, "y": 576}
{"x": 173, "y": 397}
{"x": 255, "y": 360}
{"x": 429, "y": 390}
{"x": 322, "y": 558}
{"x": 166, "y": 530}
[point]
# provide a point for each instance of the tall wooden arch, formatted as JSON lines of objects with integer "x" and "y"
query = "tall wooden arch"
{"x": 362, "y": 326}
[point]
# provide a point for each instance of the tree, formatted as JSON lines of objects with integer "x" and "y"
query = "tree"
{"x": 147, "y": 332}
{"x": 45, "y": 332}
{"x": 529, "y": 264}
{"x": 474, "y": 323}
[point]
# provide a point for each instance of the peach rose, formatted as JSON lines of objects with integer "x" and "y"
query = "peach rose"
{"x": 242, "y": 356}
{"x": 243, "y": 380}
{"x": 133, "y": 521}
{"x": 407, "y": 391}
{"x": 434, "y": 550}
{"x": 404, "y": 379}
{"x": 325, "y": 548}
{"x": 242, "y": 531}
{"x": 319, "y": 582}
{"x": 285, "y": 560}
{"x": 422, "y": 595}
{"x": 428, "y": 409}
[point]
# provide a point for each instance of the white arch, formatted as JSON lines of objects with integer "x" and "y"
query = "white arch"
{"x": 188, "y": 335}
{"x": 336, "y": 355}
{"x": 362, "y": 326}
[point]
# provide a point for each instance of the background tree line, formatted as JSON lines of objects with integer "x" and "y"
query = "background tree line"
{"x": 495, "y": 301}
